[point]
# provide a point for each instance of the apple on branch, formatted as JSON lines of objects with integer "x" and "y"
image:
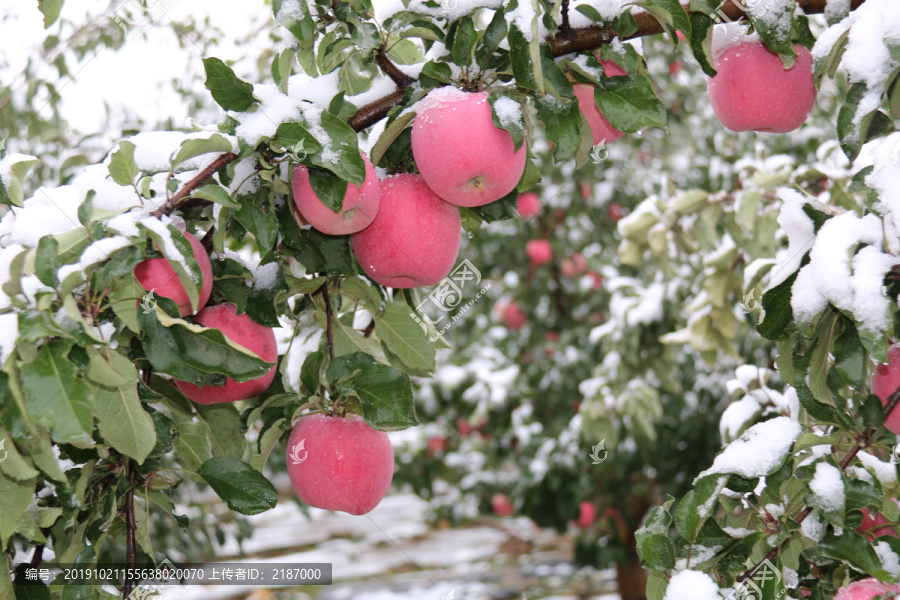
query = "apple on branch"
{"x": 512, "y": 315}
{"x": 752, "y": 91}
{"x": 540, "y": 252}
{"x": 885, "y": 382}
{"x": 361, "y": 203}
{"x": 414, "y": 239}
{"x": 865, "y": 589}
{"x": 461, "y": 154}
{"x": 248, "y": 333}
{"x": 343, "y": 464}
{"x": 601, "y": 130}
{"x": 528, "y": 204}
{"x": 158, "y": 275}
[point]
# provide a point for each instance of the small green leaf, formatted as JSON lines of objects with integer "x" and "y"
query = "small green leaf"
{"x": 405, "y": 52}
{"x": 243, "y": 488}
{"x": 657, "y": 551}
{"x": 223, "y": 427}
{"x": 47, "y": 262}
{"x": 630, "y": 104}
{"x": 229, "y": 92}
{"x": 195, "y": 147}
{"x": 386, "y": 397}
{"x": 779, "y": 315}
{"x": 405, "y": 338}
{"x": 50, "y": 9}
{"x": 390, "y": 134}
{"x": 122, "y": 166}
{"x": 12, "y": 189}
{"x": 215, "y": 193}
{"x": 311, "y": 371}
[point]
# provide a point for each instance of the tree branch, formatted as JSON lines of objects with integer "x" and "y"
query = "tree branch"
{"x": 329, "y": 333}
{"x": 387, "y": 67}
{"x": 198, "y": 180}
{"x": 130, "y": 529}
{"x": 565, "y": 28}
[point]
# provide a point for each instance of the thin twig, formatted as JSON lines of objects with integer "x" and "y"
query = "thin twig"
{"x": 198, "y": 180}
{"x": 565, "y": 28}
{"x": 329, "y": 335}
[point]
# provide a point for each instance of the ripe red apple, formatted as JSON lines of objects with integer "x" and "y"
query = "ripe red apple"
{"x": 865, "y": 589}
{"x": 248, "y": 333}
{"x": 528, "y": 204}
{"x": 512, "y": 316}
{"x": 463, "y": 428}
{"x": 437, "y": 443}
{"x": 752, "y": 90}
{"x": 675, "y": 66}
{"x": 615, "y": 212}
{"x": 539, "y": 251}
{"x": 587, "y": 514}
{"x": 501, "y": 505}
{"x": 157, "y": 274}
{"x": 584, "y": 188}
{"x": 598, "y": 281}
{"x": 869, "y": 524}
{"x": 462, "y": 156}
{"x": 885, "y": 381}
{"x": 552, "y": 336}
{"x": 360, "y": 205}
{"x": 339, "y": 463}
{"x": 414, "y": 239}
{"x": 601, "y": 130}
{"x": 572, "y": 266}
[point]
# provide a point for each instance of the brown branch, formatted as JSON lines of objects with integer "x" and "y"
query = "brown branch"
{"x": 861, "y": 442}
{"x": 387, "y": 67}
{"x": 565, "y": 28}
{"x": 130, "y": 529}
{"x": 369, "y": 328}
{"x": 38, "y": 555}
{"x": 207, "y": 241}
{"x": 329, "y": 334}
{"x": 198, "y": 180}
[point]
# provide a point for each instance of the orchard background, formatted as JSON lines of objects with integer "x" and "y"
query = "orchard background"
{"x": 703, "y": 289}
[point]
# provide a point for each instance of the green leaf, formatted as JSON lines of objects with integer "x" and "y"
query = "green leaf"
{"x": 121, "y": 417}
{"x": 282, "y": 67}
{"x": 405, "y": 338}
{"x": 701, "y": 41}
{"x": 15, "y": 496}
{"x": 122, "y": 166}
{"x": 515, "y": 129}
{"x": 493, "y": 35}
{"x": 261, "y": 305}
{"x": 256, "y": 215}
{"x": 200, "y": 355}
{"x": 820, "y": 357}
{"x": 47, "y": 262}
{"x": 125, "y": 294}
{"x": 50, "y": 9}
{"x": 853, "y": 548}
{"x": 390, "y": 134}
{"x": 657, "y": 582}
{"x": 12, "y": 188}
{"x": 522, "y": 60}
{"x": 192, "y": 444}
{"x": 343, "y": 158}
{"x": 181, "y": 257}
{"x": 311, "y": 371}
{"x": 330, "y": 189}
{"x": 773, "y": 32}
{"x": 296, "y": 139}
{"x": 629, "y": 103}
{"x": 223, "y": 425}
{"x": 243, "y": 488}
{"x": 56, "y": 397}
{"x": 386, "y": 397}
{"x": 670, "y": 14}
{"x": 195, "y": 147}
{"x": 779, "y": 315}
{"x": 229, "y": 92}
{"x": 15, "y": 466}
{"x": 464, "y": 39}
{"x": 346, "y": 365}
{"x": 215, "y": 193}
{"x": 405, "y": 52}
{"x": 657, "y": 551}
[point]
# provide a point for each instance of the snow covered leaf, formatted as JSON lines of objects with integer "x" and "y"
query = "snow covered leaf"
{"x": 215, "y": 193}
{"x": 197, "y": 146}
{"x": 122, "y": 166}
{"x": 670, "y": 14}
{"x": 50, "y": 10}
{"x": 268, "y": 283}
{"x": 13, "y": 170}
{"x": 229, "y": 91}
{"x": 656, "y": 550}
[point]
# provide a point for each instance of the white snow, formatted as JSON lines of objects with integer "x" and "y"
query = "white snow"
{"x": 889, "y": 559}
{"x": 509, "y": 112}
{"x": 827, "y": 488}
{"x": 800, "y": 233}
{"x": 885, "y": 471}
{"x": 760, "y": 449}
{"x": 692, "y": 585}
{"x": 9, "y": 333}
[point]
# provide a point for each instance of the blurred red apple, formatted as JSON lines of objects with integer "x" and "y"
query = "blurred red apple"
{"x": 528, "y": 204}
{"x": 501, "y": 505}
{"x": 587, "y": 514}
{"x": 601, "y": 130}
{"x": 512, "y": 316}
{"x": 539, "y": 252}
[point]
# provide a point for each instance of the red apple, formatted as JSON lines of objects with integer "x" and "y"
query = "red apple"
{"x": 865, "y": 589}
{"x": 463, "y": 428}
{"x": 601, "y": 130}
{"x": 437, "y": 443}
{"x": 572, "y": 266}
{"x": 462, "y": 156}
{"x": 414, "y": 239}
{"x": 339, "y": 463}
{"x": 587, "y": 514}
{"x": 552, "y": 336}
{"x": 615, "y": 212}
{"x": 584, "y": 188}
{"x": 885, "y": 381}
{"x": 248, "y": 333}
{"x": 598, "y": 281}
{"x": 539, "y": 251}
{"x": 360, "y": 205}
{"x": 501, "y": 505}
{"x": 157, "y": 274}
{"x": 675, "y": 66}
{"x": 512, "y": 316}
{"x": 528, "y": 204}
{"x": 752, "y": 90}
{"x": 869, "y": 525}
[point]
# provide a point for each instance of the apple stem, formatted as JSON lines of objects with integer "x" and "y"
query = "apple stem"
{"x": 565, "y": 28}
{"x": 328, "y": 317}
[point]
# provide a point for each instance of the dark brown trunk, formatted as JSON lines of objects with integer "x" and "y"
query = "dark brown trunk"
{"x": 631, "y": 580}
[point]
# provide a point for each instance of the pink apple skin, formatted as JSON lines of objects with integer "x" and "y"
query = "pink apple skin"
{"x": 587, "y": 514}
{"x": 158, "y": 275}
{"x": 248, "y": 333}
{"x": 601, "y": 130}
{"x": 414, "y": 239}
{"x": 752, "y": 91}
{"x": 869, "y": 525}
{"x": 360, "y": 205}
{"x": 512, "y": 316}
{"x": 885, "y": 381}
{"x": 462, "y": 156}
{"x": 539, "y": 251}
{"x": 348, "y": 465}
{"x": 528, "y": 204}
{"x": 501, "y": 505}
{"x": 865, "y": 589}
{"x": 574, "y": 265}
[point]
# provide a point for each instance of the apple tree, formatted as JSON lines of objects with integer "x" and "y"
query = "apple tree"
{"x": 168, "y": 315}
